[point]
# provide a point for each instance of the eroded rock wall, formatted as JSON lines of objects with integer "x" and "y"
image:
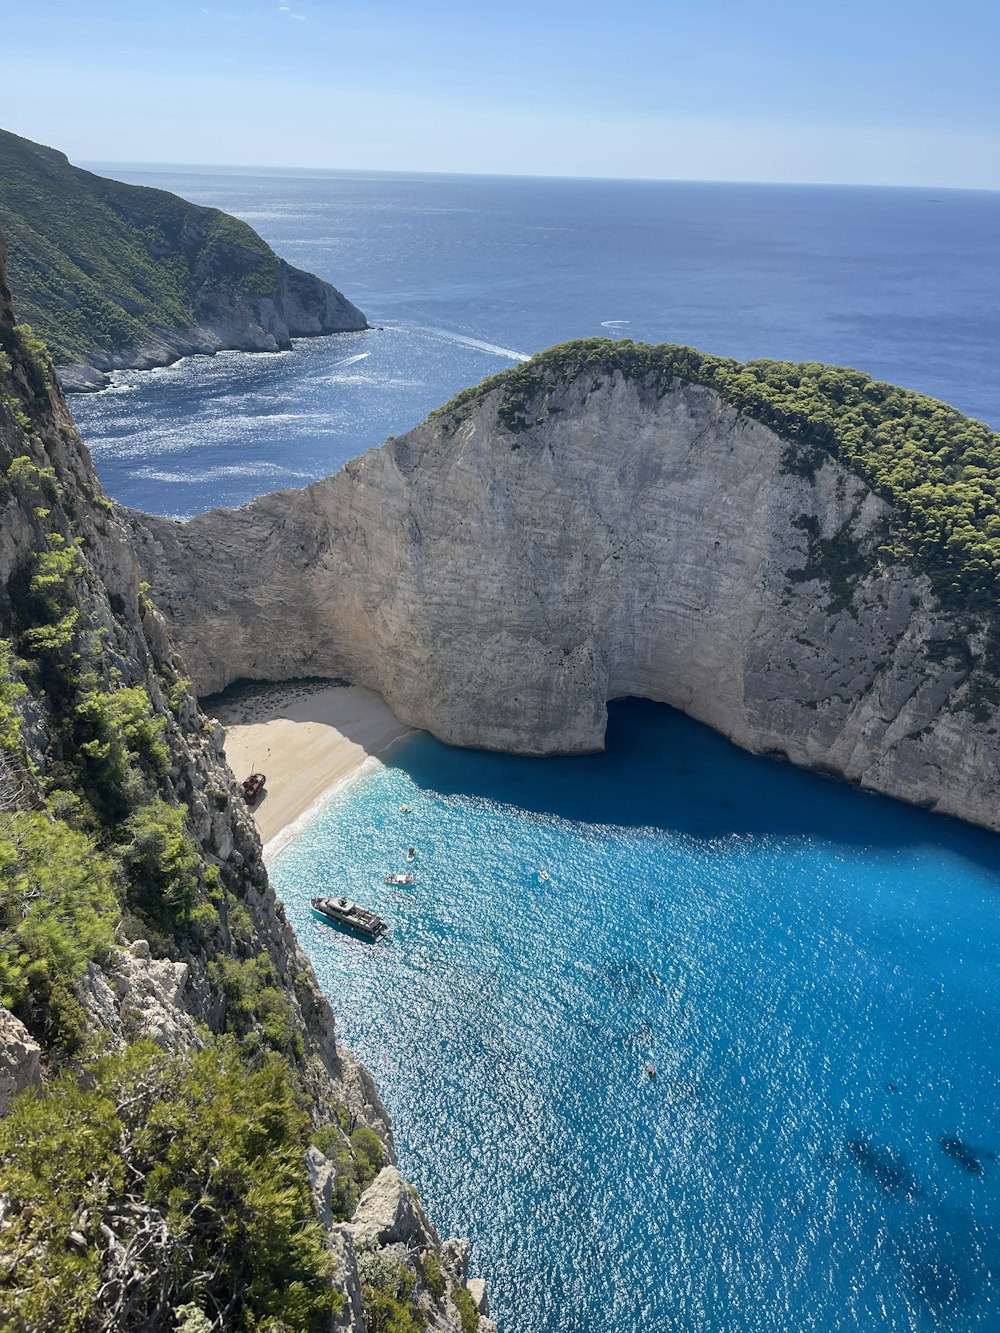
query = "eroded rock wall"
{"x": 498, "y": 586}
{"x": 180, "y": 999}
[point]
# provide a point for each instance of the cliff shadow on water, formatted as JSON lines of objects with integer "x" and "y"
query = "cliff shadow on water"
{"x": 661, "y": 769}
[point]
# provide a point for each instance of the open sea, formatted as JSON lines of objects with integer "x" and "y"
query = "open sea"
{"x": 812, "y": 972}
{"x": 467, "y": 274}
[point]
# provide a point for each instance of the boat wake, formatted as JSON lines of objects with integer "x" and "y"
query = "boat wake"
{"x": 351, "y": 360}
{"x": 465, "y": 341}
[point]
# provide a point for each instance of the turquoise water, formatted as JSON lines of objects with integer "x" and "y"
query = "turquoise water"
{"x": 807, "y": 968}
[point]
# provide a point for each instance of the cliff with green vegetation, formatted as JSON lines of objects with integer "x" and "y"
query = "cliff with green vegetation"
{"x": 184, "y": 1145}
{"x": 938, "y": 469}
{"x": 803, "y": 558}
{"x": 112, "y": 275}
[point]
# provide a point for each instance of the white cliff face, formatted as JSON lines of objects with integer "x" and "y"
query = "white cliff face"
{"x": 498, "y": 588}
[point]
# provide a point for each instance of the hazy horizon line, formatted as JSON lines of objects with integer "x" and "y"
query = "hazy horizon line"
{"x": 261, "y": 169}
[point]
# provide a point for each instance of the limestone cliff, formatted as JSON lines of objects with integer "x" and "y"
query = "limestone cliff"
{"x": 506, "y": 568}
{"x": 135, "y": 909}
{"x": 113, "y": 275}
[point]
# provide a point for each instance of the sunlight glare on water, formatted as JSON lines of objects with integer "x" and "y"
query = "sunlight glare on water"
{"x": 810, "y": 970}
{"x": 467, "y": 275}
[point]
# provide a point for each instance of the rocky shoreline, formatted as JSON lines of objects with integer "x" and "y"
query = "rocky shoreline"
{"x": 113, "y": 276}
{"x": 303, "y": 306}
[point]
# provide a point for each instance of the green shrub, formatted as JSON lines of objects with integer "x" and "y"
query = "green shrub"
{"x": 192, "y": 1320}
{"x": 35, "y": 359}
{"x": 430, "y": 1267}
{"x": 11, "y": 691}
{"x": 357, "y": 1158}
{"x": 50, "y": 609}
{"x": 212, "y": 1152}
{"x": 256, "y": 1003}
{"x": 30, "y": 481}
{"x": 161, "y": 864}
{"x": 386, "y": 1290}
{"x": 204, "y": 919}
{"x": 58, "y": 910}
{"x": 125, "y": 715}
{"x": 113, "y": 733}
{"x": 328, "y": 1139}
{"x": 175, "y": 687}
{"x": 466, "y": 1308}
{"x": 276, "y": 1016}
{"x": 240, "y": 925}
{"x": 369, "y": 1154}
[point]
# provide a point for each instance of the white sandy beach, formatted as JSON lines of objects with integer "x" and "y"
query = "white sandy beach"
{"x": 305, "y": 737}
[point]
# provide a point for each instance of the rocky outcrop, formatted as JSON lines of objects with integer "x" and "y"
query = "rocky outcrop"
{"x": 390, "y": 1214}
{"x": 113, "y": 275}
{"x": 390, "y": 1233}
{"x": 20, "y": 1057}
{"x": 300, "y": 305}
{"x": 499, "y": 582}
{"x": 390, "y": 1227}
{"x": 133, "y": 995}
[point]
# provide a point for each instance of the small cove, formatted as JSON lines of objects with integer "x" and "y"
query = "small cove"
{"x": 811, "y": 970}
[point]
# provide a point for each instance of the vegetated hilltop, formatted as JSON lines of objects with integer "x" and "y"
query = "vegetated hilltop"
{"x": 184, "y": 1146}
{"x": 939, "y": 469}
{"x": 112, "y": 275}
{"x": 803, "y": 558}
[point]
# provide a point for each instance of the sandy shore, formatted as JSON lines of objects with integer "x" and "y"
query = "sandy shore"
{"x": 305, "y": 736}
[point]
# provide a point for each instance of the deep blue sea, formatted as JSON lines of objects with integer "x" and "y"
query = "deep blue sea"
{"x": 465, "y": 274}
{"x": 805, "y": 966}
{"x": 811, "y": 971}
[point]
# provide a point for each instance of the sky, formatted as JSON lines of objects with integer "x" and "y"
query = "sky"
{"x": 837, "y": 91}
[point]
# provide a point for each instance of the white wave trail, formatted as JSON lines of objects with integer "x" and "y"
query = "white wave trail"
{"x": 350, "y": 360}
{"x": 448, "y": 336}
{"x": 613, "y": 323}
{"x": 261, "y": 469}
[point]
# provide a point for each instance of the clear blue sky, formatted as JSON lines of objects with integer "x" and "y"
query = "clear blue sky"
{"x": 866, "y": 91}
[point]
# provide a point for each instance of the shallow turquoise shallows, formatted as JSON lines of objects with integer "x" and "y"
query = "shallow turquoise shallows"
{"x": 811, "y": 972}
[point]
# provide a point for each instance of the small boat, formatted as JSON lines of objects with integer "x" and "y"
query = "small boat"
{"x": 650, "y": 1071}
{"x": 345, "y": 915}
{"x": 399, "y": 879}
{"x": 253, "y": 786}
{"x": 410, "y": 853}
